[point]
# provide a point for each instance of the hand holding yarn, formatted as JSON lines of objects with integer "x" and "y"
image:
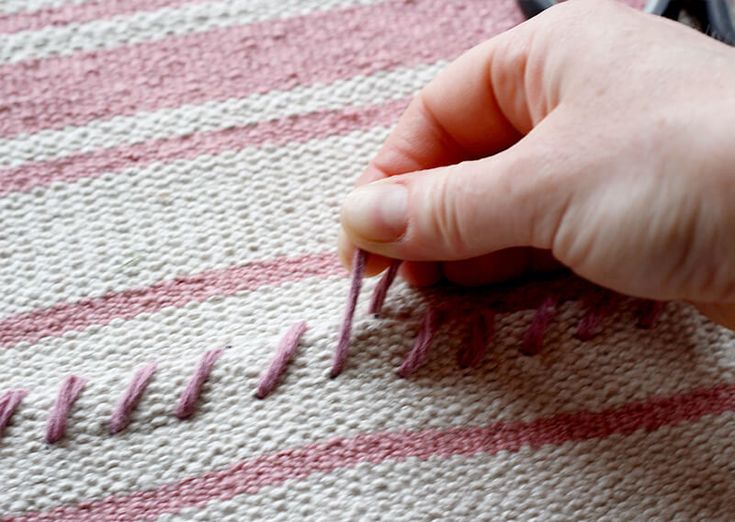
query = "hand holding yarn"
{"x": 592, "y": 136}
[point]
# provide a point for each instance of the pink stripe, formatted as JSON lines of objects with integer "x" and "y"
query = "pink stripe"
{"x": 298, "y": 128}
{"x": 35, "y": 325}
{"x": 275, "y": 54}
{"x": 250, "y": 476}
{"x": 79, "y": 13}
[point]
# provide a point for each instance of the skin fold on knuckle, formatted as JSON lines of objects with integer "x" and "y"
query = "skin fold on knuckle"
{"x": 537, "y": 187}
{"x": 506, "y": 74}
{"x": 447, "y": 204}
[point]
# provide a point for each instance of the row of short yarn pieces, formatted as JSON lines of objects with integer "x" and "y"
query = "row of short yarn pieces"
{"x": 470, "y": 355}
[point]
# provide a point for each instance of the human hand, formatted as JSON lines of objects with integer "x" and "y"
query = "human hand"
{"x": 593, "y": 135}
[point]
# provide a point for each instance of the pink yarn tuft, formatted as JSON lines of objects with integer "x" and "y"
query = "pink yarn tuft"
{"x": 417, "y": 356}
{"x": 285, "y": 351}
{"x": 9, "y": 402}
{"x": 589, "y": 325}
{"x": 358, "y": 271}
{"x": 189, "y": 397}
{"x": 130, "y": 399}
{"x": 483, "y": 330}
{"x": 649, "y": 313}
{"x": 533, "y": 342}
{"x": 381, "y": 289}
{"x": 69, "y": 392}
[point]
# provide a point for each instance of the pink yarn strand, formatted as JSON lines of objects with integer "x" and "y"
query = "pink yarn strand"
{"x": 381, "y": 289}
{"x": 9, "y": 402}
{"x": 358, "y": 271}
{"x": 649, "y": 313}
{"x": 418, "y": 354}
{"x": 130, "y": 399}
{"x": 533, "y": 342}
{"x": 285, "y": 351}
{"x": 69, "y": 392}
{"x": 190, "y": 395}
{"x": 590, "y": 324}
{"x": 483, "y": 331}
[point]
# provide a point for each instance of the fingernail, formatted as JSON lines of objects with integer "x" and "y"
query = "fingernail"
{"x": 377, "y": 212}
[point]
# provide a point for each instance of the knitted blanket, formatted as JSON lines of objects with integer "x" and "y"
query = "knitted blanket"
{"x": 170, "y": 299}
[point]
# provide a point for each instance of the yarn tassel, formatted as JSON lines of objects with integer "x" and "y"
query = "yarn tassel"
{"x": 285, "y": 351}
{"x": 9, "y": 402}
{"x": 483, "y": 330}
{"x": 418, "y": 354}
{"x": 381, "y": 289}
{"x": 69, "y": 392}
{"x": 130, "y": 399}
{"x": 533, "y": 342}
{"x": 649, "y": 313}
{"x": 189, "y": 397}
{"x": 590, "y": 324}
{"x": 358, "y": 271}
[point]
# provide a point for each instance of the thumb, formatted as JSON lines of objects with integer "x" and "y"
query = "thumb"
{"x": 514, "y": 198}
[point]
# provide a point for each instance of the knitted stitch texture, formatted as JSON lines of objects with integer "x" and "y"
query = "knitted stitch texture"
{"x": 170, "y": 178}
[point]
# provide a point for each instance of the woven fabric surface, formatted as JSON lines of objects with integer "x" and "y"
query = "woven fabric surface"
{"x": 170, "y": 178}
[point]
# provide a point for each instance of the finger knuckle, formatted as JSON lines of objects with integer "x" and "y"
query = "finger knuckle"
{"x": 451, "y": 214}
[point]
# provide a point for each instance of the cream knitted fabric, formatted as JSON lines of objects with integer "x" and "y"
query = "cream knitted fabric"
{"x": 170, "y": 175}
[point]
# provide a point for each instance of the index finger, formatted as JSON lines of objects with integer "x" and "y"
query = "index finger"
{"x": 474, "y": 108}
